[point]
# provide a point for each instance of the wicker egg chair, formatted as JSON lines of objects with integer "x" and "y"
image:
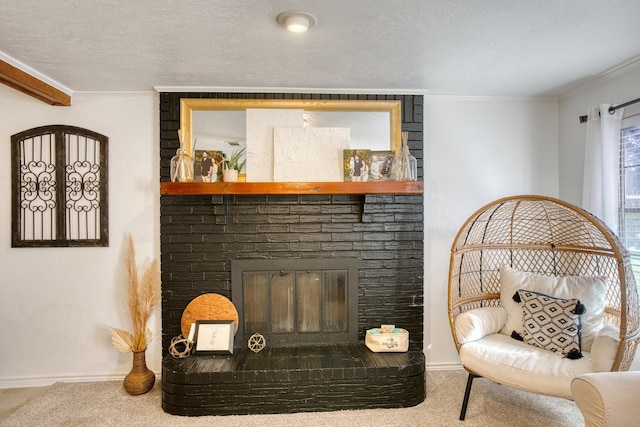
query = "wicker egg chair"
{"x": 544, "y": 236}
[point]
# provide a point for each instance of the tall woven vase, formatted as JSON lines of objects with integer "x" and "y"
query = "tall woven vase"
{"x": 141, "y": 379}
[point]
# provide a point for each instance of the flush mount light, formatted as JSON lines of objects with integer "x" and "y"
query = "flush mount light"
{"x": 296, "y": 21}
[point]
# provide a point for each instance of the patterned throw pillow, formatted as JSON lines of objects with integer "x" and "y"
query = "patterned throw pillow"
{"x": 551, "y": 323}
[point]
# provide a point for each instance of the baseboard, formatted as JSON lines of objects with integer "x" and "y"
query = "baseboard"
{"x": 6, "y": 383}
{"x": 444, "y": 366}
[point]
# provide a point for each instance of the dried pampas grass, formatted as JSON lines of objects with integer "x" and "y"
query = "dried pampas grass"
{"x": 143, "y": 296}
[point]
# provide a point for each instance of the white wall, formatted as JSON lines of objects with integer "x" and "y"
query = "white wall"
{"x": 57, "y": 304}
{"x": 477, "y": 150}
{"x": 614, "y": 88}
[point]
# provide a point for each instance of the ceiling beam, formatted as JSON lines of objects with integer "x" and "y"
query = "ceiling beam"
{"x": 26, "y": 83}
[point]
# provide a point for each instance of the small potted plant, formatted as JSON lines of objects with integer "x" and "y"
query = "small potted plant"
{"x": 233, "y": 165}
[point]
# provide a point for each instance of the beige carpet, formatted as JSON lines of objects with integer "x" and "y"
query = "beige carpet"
{"x": 107, "y": 404}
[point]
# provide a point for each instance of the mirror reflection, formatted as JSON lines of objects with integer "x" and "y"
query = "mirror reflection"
{"x": 226, "y": 130}
{"x": 219, "y": 126}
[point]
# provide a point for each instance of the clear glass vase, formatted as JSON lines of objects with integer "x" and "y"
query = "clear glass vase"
{"x": 406, "y": 164}
{"x": 181, "y": 166}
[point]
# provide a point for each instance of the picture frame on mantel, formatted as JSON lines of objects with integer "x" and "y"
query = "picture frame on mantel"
{"x": 356, "y": 165}
{"x": 216, "y": 159}
{"x": 382, "y": 166}
{"x": 214, "y": 336}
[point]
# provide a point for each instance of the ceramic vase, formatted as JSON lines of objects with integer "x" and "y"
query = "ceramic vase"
{"x": 141, "y": 379}
{"x": 230, "y": 175}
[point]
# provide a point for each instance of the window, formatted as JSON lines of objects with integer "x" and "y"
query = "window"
{"x": 59, "y": 187}
{"x": 630, "y": 188}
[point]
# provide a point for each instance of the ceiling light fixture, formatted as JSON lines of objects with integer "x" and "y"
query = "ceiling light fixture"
{"x": 296, "y": 21}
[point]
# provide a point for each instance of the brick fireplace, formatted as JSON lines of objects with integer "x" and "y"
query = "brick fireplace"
{"x": 201, "y": 236}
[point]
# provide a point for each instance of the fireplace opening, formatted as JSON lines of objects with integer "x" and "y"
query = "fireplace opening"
{"x": 296, "y": 301}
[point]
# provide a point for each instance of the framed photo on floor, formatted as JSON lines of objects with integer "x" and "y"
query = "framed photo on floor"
{"x": 214, "y": 336}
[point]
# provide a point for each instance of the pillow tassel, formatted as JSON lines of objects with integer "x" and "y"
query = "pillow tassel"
{"x": 574, "y": 354}
{"x": 516, "y": 336}
{"x": 580, "y": 308}
{"x": 516, "y": 297}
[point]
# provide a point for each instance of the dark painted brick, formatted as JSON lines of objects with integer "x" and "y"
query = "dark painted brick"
{"x": 305, "y": 246}
{"x": 307, "y": 209}
{"x": 315, "y": 218}
{"x": 379, "y": 255}
{"x": 337, "y": 246}
{"x": 267, "y": 247}
{"x": 315, "y": 237}
{"x": 369, "y": 246}
{"x": 379, "y": 236}
{"x": 281, "y": 219}
{"x": 283, "y": 237}
{"x": 275, "y": 228}
{"x": 171, "y": 248}
{"x": 378, "y": 218}
{"x": 305, "y": 228}
{"x": 338, "y": 209}
{"x": 336, "y": 228}
{"x": 355, "y": 218}
{"x": 408, "y": 217}
{"x": 242, "y": 228}
{"x": 200, "y": 235}
{"x": 341, "y": 237}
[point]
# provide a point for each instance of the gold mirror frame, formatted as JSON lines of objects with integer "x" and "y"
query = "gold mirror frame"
{"x": 188, "y": 105}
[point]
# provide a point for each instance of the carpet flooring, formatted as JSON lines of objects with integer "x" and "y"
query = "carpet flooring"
{"x": 491, "y": 404}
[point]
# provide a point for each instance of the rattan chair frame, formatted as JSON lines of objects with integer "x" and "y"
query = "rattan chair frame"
{"x": 546, "y": 236}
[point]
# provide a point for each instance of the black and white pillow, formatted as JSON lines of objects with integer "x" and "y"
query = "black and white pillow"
{"x": 550, "y": 323}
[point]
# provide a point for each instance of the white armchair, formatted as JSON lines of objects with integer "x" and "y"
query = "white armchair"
{"x": 544, "y": 245}
{"x": 608, "y": 399}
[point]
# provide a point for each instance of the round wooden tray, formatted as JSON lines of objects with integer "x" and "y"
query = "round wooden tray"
{"x": 208, "y": 307}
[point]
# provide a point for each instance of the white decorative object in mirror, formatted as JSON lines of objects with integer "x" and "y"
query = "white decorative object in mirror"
{"x": 260, "y": 123}
{"x": 309, "y": 154}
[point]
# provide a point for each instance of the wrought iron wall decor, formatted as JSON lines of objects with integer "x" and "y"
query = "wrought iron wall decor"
{"x": 59, "y": 187}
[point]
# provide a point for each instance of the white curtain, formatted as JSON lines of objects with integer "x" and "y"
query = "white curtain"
{"x": 602, "y": 164}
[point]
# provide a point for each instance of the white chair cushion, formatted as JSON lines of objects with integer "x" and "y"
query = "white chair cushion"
{"x": 516, "y": 364}
{"x": 477, "y": 323}
{"x": 590, "y": 290}
{"x": 605, "y": 348}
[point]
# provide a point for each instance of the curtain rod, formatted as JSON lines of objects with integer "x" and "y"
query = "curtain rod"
{"x": 612, "y": 109}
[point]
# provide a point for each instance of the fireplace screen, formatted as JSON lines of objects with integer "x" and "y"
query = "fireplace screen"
{"x": 301, "y": 301}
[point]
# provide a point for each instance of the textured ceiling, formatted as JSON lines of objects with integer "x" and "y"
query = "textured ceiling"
{"x": 465, "y": 47}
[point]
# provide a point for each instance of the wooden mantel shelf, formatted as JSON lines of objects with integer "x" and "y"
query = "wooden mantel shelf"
{"x": 221, "y": 188}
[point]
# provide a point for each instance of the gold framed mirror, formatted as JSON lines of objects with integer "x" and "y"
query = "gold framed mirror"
{"x": 374, "y": 124}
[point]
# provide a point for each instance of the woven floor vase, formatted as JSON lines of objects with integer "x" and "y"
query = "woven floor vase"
{"x": 141, "y": 379}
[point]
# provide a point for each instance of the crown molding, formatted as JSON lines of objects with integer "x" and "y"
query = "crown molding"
{"x": 613, "y": 72}
{"x": 354, "y": 91}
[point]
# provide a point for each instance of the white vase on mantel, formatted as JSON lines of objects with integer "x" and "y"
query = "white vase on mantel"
{"x": 230, "y": 175}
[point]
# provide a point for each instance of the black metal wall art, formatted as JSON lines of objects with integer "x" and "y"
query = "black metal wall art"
{"x": 59, "y": 182}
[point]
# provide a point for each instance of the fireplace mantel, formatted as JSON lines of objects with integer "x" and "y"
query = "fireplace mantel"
{"x": 221, "y": 188}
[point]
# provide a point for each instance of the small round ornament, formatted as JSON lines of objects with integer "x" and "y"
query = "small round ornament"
{"x": 257, "y": 342}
